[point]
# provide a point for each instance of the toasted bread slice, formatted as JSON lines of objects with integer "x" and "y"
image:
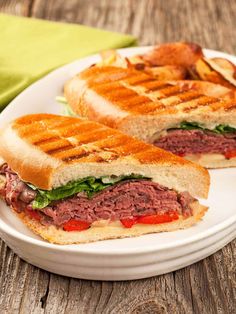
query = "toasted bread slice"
{"x": 55, "y": 150}
{"x": 206, "y": 88}
{"x": 112, "y": 230}
{"x": 140, "y": 105}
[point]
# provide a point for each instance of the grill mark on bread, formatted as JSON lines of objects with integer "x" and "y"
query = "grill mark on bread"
{"x": 230, "y": 105}
{"x": 178, "y": 100}
{"x": 124, "y": 150}
{"x": 133, "y": 103}
{"x": 161, "y": 97}
{"x": 150, "y": 107}
{"x": 155, "y": 86}
{"x": 23, "y": 121}
{"x": 93, "y": 135}
{"x": 43, "y": 126}
{"x": 26, "y": 130}
{"x": 75, "y": 157}
{"x": 119, "y": 93}
{"x": 127, "y": 100}
{"x": 58, "y": 149}
{"x": 92, "y": 155}
{"x": 73, "y": 130}
{"x": 63, "y": 149}
{"x": 44, "y": 140}
{"x": 169, "y": 91}
{"x": 97, "y": 157}
{"x": 141, "y": 106}
{"x": 203, "y": 101}
{"x": 112, "y": 141}
{"x": 148, "y": 155}
{"x": 53, "y": 124}
{"x": 75, "y": 151}
{"x": 174, "y": 96}
{"x": 138, "y": 80}
{"x": 54, "y": 145}
{"x": 132, "y": 100}
{"x": 60, "y": 146}
{"x": 107, "y": 87}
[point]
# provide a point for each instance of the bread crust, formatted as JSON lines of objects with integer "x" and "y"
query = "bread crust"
{"x": 150, "y": 111}
{"x": 206, "y": 88}
{"x": 92, "y": 150}
{"x": 83, "y": 95}
{"x": 111, "y": 231}
{"x": 212, "y": 161}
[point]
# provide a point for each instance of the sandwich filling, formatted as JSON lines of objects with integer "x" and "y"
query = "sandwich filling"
{"x": 129, "y": 199}
{"x": 191, "y": 138}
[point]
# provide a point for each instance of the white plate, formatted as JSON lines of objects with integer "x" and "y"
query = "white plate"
{"x": 121, "y": 259}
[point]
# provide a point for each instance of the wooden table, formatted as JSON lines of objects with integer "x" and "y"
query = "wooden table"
{"x": 208, "y": 286}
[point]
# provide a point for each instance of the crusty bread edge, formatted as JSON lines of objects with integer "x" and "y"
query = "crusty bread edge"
{"x": 88, "y": 104}
{"x": 112, "y": 230}
{"x": 212, "y": 161}
{"x": 46, "y": 172}
{"x": 26, "y": 160}
{"x": 84, "y": 102}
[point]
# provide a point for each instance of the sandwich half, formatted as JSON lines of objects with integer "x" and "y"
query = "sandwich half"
{"x": 75, "y": 181}
{"x": 171, "y": 116}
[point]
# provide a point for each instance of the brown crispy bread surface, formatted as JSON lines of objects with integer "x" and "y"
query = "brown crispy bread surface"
{"x": 49, "y": 151}
{"x": 140, "y": 105}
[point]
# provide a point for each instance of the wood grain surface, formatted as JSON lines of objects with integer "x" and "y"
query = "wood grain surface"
{"x": 206, "y": 287}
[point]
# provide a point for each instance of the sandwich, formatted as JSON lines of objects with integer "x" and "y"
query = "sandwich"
{"x": 174, "y": 117}
{"x": 71, "y": 180}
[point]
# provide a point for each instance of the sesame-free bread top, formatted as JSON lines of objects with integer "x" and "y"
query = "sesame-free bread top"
{"x": 49, "y": 151}
{"x": 140, "y": 105}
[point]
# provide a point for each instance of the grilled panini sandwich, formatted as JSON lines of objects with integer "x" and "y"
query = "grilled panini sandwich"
{"x": 171, "y": 116}
{"x": 75, "y": 181}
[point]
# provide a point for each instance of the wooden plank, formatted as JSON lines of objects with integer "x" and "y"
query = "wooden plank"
{"x": 16, "y": 7}
{"x": 205, "y": 287}
{"x": 208, "y": 286}
{"x": 152, "y": 21}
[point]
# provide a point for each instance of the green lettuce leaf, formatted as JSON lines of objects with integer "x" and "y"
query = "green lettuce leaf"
{"x": 89, "y": 185}
{"x": 221, "y": 128}
{"x": 67, "y": 111}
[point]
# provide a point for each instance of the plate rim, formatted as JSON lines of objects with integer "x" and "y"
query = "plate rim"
{"x": 124, "y": 251}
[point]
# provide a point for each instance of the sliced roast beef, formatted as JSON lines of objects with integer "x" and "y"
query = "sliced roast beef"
{"x": 126, "y": 199}
{"x": 16, "y": 192}
{"x": 186, "y": 142}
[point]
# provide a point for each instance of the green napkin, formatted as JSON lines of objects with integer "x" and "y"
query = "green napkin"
{"x": 30, "y": 48}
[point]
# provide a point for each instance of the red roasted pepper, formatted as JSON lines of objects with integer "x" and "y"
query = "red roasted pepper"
{"x": 181, "y": 154}
{"x": 129, "y": 222}
{"x": 76, "y": 225}
{"x": 159, "y": 218}
{"x": 230, "y": 154}
{"x": 152, "y": 219}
